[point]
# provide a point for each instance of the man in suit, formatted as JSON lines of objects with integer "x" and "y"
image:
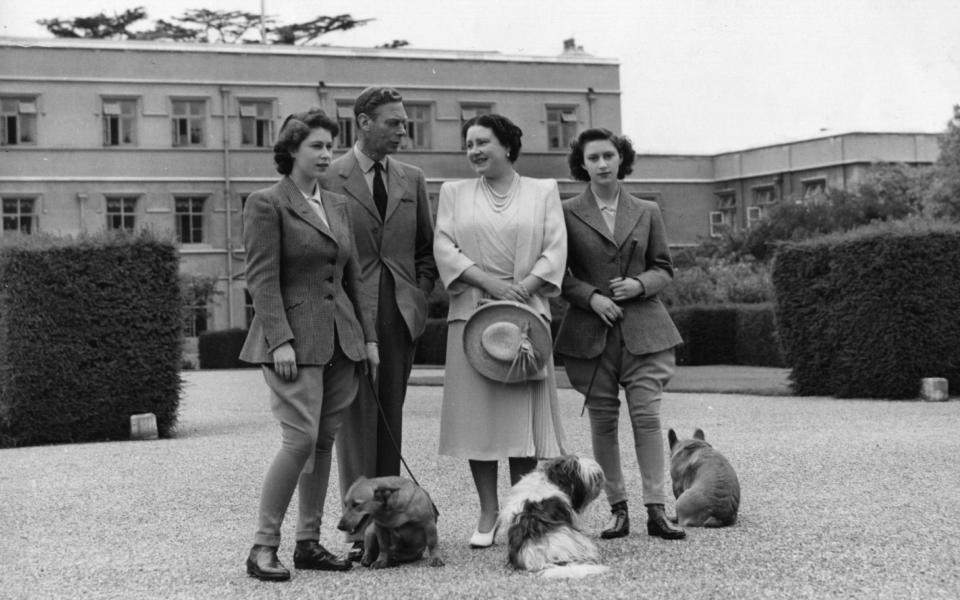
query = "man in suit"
{"x": 393, "y": 227}
{"x": 616, "y": 331}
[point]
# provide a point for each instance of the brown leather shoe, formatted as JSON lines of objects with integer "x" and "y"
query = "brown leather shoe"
{"x": 619, "y": 525}
{"x": 311, "y": 555}
{"x": 658, "y": 525}
{"x": 264, "y": 564}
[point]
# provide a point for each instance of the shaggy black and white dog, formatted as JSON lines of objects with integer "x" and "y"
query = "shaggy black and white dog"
{"x": 541, "y": 516}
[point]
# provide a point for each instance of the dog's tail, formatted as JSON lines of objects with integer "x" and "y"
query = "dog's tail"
{"x": 573, "y": 571}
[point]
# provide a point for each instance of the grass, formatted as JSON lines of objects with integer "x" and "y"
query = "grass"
{"x": 841, "y": 498}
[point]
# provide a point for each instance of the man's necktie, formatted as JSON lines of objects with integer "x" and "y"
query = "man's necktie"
{"x": 379, "y": 190}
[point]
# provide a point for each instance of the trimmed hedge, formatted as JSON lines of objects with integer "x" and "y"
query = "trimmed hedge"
{"x": 221, "y": 349}
{"x": 738, "y": 334}
{"x": 90, "y": 333}
{"x": 870, "y": 313}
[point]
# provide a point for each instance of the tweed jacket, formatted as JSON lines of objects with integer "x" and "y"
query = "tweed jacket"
{"x": 303, "y": 277}
{"x": 595, "y": 256}
{"x": 402, "y": 241}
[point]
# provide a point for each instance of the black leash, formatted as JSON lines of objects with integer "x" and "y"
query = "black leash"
{"x": 393, "y": 440}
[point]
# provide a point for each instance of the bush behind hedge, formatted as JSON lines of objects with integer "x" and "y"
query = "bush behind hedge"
{"x": 221, "y": 349}
{"x": 871, "y": 312}
{"x": 90, "y": 333}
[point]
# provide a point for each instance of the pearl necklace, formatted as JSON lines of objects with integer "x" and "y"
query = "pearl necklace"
{"x": 499, "y": 202}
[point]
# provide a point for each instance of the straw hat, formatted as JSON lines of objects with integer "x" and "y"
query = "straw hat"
{"x": 507, "y": 341}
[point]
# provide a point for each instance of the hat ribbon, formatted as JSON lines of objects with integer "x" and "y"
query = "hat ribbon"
{"x": 526, "y": 359}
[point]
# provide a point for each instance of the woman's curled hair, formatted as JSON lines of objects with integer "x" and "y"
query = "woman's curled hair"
{"x": 506, "y": 132}
{"x": 620, "y": 142}
{"x": 295, "y": 129}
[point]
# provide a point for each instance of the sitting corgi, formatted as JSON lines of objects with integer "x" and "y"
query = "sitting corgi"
{"x": 704, "y": 483}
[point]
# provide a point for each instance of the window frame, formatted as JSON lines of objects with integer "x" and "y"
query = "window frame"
{"x": 20, "y": 214}
{"x": 110, "y": 120}
{"x": 192, "y": 216}
{"x": 419, "y": 130}
{"x": 567, "y": 124}
{"x": 26, "y": 113}
{"x": 123, "y": 214}
{"x": 723, "y": 221}
{"x": 190, "y": 120}
{"x": 812, "y": 187}
{"x": 754, "y": 214}
{"x": 347, "y": 122}
{"x": 258, "y": 122}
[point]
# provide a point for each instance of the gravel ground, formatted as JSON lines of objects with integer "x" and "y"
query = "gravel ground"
{"x": 840, "y": 499}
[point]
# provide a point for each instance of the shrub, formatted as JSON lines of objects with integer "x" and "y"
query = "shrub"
{"x": 728, "y": 335}
{"x": 717, "y": 281}
{"x": 871, "y": 312}
{"x": 90, "y": 333}
{"x": 432, "y": 345}
{"x": 221, "y": 349}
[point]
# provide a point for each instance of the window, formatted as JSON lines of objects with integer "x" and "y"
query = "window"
{"x": 719, "y": 222}
{"x": 345, "y": 120}
{"x": 119, "y": 122}
{"x": 418, "y": 126}
{"x": 189, "y": 119}
{"x": 256, "y": 123}
{"x": 764, "y": 195}
{"x": 188, "y": 212}
{"x": 121, "y": 212}
{"x": 196, "y": 321}
{"x": 814, "y": 189}
{"x": 469, "y": 111}
{"x": 754, "y": 214}
{"x": 561, "y": 127}
{"x": 18, "y": 121}
{"x": 19, "y": 216}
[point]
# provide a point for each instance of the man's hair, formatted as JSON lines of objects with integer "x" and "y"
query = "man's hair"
{"x": 620, "y": 142}
{"x": 295, "y": 129}
{"x": 372, "y": 97}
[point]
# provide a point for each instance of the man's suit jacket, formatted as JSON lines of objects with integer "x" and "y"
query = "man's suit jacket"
{"x": 303, "y": 277}
{"x": 595, "y": 256}
{"x": 403, "y": 240}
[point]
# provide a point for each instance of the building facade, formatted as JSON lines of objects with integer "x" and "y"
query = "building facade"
{"x": 121, "y": 135}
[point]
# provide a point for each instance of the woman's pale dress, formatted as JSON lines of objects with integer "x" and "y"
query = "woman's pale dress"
{"x": 483, "y": 419}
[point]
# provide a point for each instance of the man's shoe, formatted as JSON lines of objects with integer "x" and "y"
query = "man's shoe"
{"x": 356, "y": 552}
{"x": 264, "y": 564}
{"x": 311, "y": 555}
{"x": 619, "y": 525}
{"x": 658, "y": 525}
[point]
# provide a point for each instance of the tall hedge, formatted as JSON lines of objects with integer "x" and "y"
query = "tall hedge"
{"x": 90, "y": 333}
{"x": 728, "y": 334}
{"x": 871, "y": 312}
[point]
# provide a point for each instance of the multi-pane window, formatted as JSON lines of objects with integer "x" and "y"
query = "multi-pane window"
{"x": 754, "y": 214}
{"x": 18, "y": 121}
{"x": 813, "y": 189}
{"x": 764, "y": 195}
{"x": 469, "y": 111}
{"x": 188, "y": 211}
{"x": 119, "y": 122}
{"x": 418, "y": 126}
{"x": 561, "y": 127}
{"x": 19, "y": 215}
{"x": 256, "y": 123}
{"x": 121, "y": 212}
{"x": 719, "y": 222}
{"x": 345, "y": 119}
{"x": 189, "y": 122}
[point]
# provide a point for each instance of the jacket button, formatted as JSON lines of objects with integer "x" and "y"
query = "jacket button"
{"x": 329, "y": 296}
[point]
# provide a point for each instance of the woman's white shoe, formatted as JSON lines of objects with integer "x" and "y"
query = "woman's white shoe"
{"x": 484, "y": 540}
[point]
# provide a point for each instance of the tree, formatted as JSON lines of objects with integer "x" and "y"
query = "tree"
{"x": 306, "y": 32}
{"x": 945, "y": 195}
{"x": 203, "y": 25}
{"x": 100, "y": 26}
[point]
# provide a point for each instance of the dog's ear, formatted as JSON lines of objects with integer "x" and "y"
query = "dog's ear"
{"x": 698, "y": 435}
{"x": 672, "y": 438}
{"x": 383, "y": 493}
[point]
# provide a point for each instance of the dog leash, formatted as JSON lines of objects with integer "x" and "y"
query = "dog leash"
{"x": 393, "y": 440}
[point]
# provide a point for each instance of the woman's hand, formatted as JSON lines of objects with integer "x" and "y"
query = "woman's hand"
{"x": 625, "y": 288}
{"x": 371, "y": 366}
{"x": 285, "y": 361}
{"x": 501, "y": 290}
{"x": 608, "y": 310}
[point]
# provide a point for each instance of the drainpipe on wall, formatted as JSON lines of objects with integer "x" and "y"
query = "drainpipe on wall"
{"x": 227, "y": 199}
{"x": 82, "y": 200}
{"x": 591, "y": 98}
